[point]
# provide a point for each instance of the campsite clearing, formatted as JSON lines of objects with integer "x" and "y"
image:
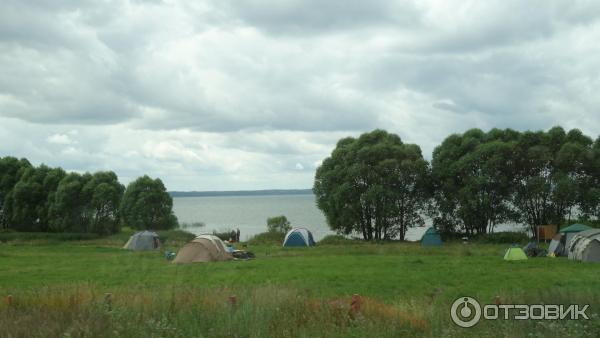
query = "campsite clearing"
{"x": 405, "y": 277}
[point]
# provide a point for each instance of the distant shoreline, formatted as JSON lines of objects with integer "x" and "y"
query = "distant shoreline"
{"x": 270, "y": 192}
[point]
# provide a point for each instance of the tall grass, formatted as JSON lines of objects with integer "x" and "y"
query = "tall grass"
{"x": 267, "y": 311}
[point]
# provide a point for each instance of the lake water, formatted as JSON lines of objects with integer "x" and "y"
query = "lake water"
{"x": 250, "y": 213}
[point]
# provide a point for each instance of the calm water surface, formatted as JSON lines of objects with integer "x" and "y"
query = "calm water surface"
{"x": 250, "y": 213}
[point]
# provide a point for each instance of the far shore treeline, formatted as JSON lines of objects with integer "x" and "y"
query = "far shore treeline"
{"x": 377, "y": 186}
{"x": 44, "y": 199}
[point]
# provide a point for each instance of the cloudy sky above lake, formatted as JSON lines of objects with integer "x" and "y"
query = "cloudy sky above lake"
{"x": 234, "y": 94}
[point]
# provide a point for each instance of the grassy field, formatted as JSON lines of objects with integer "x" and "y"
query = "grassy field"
{"x": 58, "y": 289}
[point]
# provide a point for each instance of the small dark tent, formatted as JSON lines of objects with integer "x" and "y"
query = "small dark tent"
{"x": 431, "y": 238}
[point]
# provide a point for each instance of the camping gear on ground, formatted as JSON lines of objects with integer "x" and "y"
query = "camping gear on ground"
{"x": 169, "y": 255}
{"x": 557, "y": 245}
{"x": 143, "y": 240}
{"x": 514, "y": 254}
{"x": 533, "y": 250}
{"x": 571, "y": 231}
{"x": 431, "y": 238}
{"x": 585, "y": 246}
{"x": 298, "y": 237}
{"x": 204, "y": 248}
{"x": 229, "y": 247}
{"x": 242, "y": 255}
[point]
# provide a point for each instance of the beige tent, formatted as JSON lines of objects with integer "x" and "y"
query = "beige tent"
{"x": 204, "y": 248}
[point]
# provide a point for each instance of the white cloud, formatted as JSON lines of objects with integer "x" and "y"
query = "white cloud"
{"x": 60, "y": 139}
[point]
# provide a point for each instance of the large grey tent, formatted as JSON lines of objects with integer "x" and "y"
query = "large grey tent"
{"x": 585, "y": 246}
{"x": 204, "y": 248}
{"x": 571, "y": 231}
{"x": 143, "y": 240}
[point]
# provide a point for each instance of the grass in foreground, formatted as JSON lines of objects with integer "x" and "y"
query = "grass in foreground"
{"x": 407, "y": 290}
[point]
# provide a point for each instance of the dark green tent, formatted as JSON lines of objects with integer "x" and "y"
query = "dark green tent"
{"x": 431, "y": 238}
{"x": 577, "y": 227}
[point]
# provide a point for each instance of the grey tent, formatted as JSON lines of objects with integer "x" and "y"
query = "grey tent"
{"x": 143, "y": 240}
{"x": 585, "y": 246}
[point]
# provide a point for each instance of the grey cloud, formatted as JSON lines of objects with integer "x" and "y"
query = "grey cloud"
{"x": 298, "y": 17}
{"x": 238, "y": 93}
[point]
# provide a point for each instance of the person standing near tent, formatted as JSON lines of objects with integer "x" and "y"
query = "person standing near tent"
{"x": 237, "y": 235}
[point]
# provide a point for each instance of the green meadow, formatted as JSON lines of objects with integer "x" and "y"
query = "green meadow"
{"x": 59, "y": 289}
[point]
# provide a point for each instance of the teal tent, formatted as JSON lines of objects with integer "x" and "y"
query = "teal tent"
{"x": 298, "y": 237}
{"x": 431, "y": 238}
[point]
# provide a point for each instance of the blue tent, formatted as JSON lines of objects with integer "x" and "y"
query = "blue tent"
{"x": 298, "y": 237}
{"x": 431, "y": 238}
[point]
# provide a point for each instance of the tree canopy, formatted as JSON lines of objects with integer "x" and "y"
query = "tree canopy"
{"x": 49, "y": 199}
{"x": 147, "y": 205}
{"x": 374, "y": 185}
{"x": 377, "y": 186}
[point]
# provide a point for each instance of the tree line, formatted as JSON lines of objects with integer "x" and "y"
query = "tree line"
{"x": 377, "y": 186}
{"x": 44, "y": 199}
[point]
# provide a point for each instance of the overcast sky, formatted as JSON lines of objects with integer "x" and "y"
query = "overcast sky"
{"x": 232, "y": 94}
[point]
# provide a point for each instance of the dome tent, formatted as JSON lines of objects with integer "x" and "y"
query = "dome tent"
{"x": 514, "y": 254}
{"x": 298, "y": 237}
{"x": 143, "y": 240}
{"x": 431, "y": 238}
{"x": 204, "y": 248}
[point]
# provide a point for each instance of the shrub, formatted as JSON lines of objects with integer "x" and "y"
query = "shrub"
{"x": 46, "y": 236}
{"x": 336, "y": 240}
{"x": 588, "y": 222}
{"x": 175, "y": 235}
{"x": 278, "y": 224}
{"x": 269, "y": 237}
{"x": 505, "y": 237}
{"x": 223, "y": 235}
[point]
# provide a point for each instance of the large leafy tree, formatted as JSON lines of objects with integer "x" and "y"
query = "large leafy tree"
{"x": 105, "y": 194}
{"x": 87, "y": 203}
{"x": 28, "y": 203}
{"x": 147, "y": 205}
{"x": 473, "y": 175}
{"x": 11, "y": 170}
{"x": 69, "y": 207}
{"x": 590, "y": 196}
{"x": 374, "y": 185}
{"x": 551, "y": 176}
